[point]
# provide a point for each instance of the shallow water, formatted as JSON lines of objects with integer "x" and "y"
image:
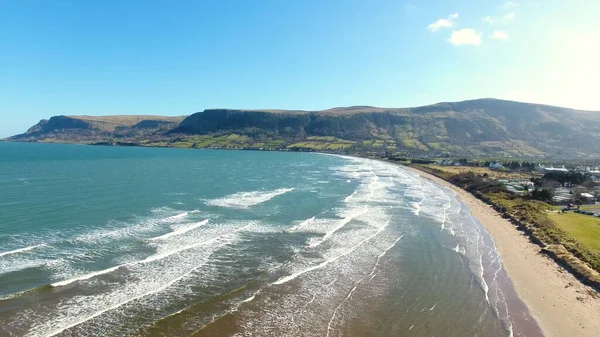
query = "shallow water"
{"x": 164, "y": 242}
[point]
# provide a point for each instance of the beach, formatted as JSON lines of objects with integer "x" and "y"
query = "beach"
{"x": 561, "y": 304}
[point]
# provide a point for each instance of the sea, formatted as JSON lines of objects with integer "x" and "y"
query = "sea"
{"x": 128, "y": 241}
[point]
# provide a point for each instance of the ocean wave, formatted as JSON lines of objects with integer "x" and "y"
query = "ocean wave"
{"x": 330, "y": 260}
{"x": 145, "y": 281}
{"x": 21, "y": 250}
{"x": 181, "y": 230}
{"x": 85, "y": 277}
{"x": 117, "y": 305}
{"x": 151, "y": 258}
{"x": 120, "y": 231}
{"x": 176, "y": 217}
{"x": 339, "y": 226}
{"x": 247, "y": 199}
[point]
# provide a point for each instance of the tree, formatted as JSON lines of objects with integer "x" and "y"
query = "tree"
{"x": 541, "y": 194}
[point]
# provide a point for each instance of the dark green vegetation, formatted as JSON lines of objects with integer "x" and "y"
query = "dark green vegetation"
{"x": 484, "y": 127}
{"x": 572, "y": 244}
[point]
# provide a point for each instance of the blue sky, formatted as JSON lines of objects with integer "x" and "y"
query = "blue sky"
{"x": 179, "y": 57}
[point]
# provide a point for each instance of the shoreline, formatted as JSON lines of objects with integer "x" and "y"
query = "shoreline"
{"x": 561, "y": 304}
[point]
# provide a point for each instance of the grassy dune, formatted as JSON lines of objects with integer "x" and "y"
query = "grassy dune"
{"x": 584, "y": 229}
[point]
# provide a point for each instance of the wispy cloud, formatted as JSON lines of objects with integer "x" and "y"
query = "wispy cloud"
{"x": 509, "y": 5}
{"x": 507, "y": 18}
{"x": 410, "y": 5}
{"x": 466, "y": 36}
{"x": 490, "y": 20}
{"x": 500, "y": 35}
{"x": 443, "y": 23}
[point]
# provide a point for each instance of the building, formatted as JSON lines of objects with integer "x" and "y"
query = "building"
{"x": 595, "y": 171}
{"x": 555, "y": 169}
{"x": 563, "y": 199}
{"x": 496, "y": 166}
{"x": 588, "y": 199}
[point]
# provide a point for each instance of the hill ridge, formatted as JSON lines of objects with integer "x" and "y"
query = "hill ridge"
{"x": 478, "y": 127}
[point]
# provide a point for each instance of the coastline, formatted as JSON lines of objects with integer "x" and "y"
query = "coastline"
{"x": 560, "y": 303}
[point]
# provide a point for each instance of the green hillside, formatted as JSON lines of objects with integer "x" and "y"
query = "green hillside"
{"x": 483, "y": 127}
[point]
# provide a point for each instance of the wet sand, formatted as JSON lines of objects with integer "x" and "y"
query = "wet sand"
{"x": 561, "y": 304}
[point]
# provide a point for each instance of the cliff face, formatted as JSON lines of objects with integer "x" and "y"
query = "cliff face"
{"x": 94, "y": 128}
{"x": 223, "y": 120}
{"x": 477, "y": 127}
{"x": 484, "y": 127}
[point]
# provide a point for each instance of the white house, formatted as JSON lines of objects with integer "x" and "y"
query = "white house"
{"x": 588, "y": 198}
{"x": 555, "y": 169}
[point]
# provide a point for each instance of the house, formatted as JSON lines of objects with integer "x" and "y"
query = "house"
{"x": 496, "y": 166}
{"x": 555, "y": 169}
{"x": 594, "y": 172}
{"x": 563, "y": 199}
{"x": 588, "y": 199}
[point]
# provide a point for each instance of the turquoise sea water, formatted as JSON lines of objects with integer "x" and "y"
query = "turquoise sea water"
{"x": 117, "y": 241}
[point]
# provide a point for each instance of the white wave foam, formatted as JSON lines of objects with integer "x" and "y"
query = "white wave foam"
{"x": 181, "y": 230}
{"x": 150, "y": 258}
{"x": 163, "y": 255}
{"x": 20, "y": 250}
{"x": 304, "y": 224}
{"x": 85, "y": 277}
{"x": 176, "y": 217}
{"x": 100, "y": 312}
{"x": 326, "y": 262}
{"x": 249, "y": 299}
{"x": 372, "y": 274}
{"x": 347, "y": 199}
{"x": 120, "y": 231}
{"x": 247, "y": 199}
{"x": 374, "y": 270}
{"x": 341, "y": 224}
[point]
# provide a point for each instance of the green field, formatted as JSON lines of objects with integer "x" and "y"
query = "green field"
{"x": 585, "y": 229}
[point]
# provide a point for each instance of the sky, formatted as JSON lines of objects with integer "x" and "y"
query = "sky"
{"x": 179, "y": 57}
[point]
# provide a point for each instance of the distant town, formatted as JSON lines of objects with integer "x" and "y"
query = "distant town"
{"x": 555, "y": 184}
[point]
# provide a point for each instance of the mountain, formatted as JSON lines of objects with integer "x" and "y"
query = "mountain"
{"x": 482, "y": 127}
{"x": 91, "y": 129}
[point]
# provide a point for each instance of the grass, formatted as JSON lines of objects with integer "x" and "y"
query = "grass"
{"x": 413, "y": 143}
{"x": 452, "y": 170}
{"x": 585, "y": 229}
{"x": 323, "y": 143}
{"x": 321, "y": 138}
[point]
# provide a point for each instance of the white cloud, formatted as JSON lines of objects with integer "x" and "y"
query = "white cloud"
{"x": 443, "y": 23}
{"x": 466, "y": 36}
{"x": 509, "y": 4}
{"x": 509, "y": 17}
{"x": 500, "y": 35}
{"x": 490, "y": 20}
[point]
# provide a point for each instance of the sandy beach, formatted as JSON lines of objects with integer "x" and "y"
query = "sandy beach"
{"x": 562, "y": 305}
